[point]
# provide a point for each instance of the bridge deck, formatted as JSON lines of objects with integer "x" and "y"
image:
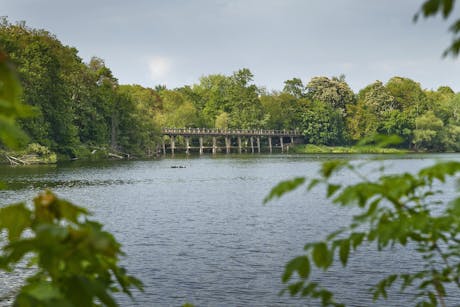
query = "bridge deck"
{"x": 228, "y": 132}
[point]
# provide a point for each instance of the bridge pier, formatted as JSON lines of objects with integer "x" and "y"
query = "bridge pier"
{"x": 251, "y": 139}
{"x": 239, "y": 144}
{"x": 201, "y": 145}
{"x": 281, "y": 144}
{"x": 227, "y": 144}
{"x": 163, "y": 145}
{"x": 258, "y": 144}
{"x": 214, "y": 145}
{"x": 173, "y": 144}
{"x": 187, "y": 145}
{"x": 270, "y": 144}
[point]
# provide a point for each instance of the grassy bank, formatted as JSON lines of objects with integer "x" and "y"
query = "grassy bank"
{"x": 32, "y": 154}
{"x": 310, "y": 148}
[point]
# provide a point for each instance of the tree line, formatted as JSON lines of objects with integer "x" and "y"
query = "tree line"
{"x": 81, "y": 106}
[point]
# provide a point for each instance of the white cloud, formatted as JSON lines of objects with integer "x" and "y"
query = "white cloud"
{"x": 159, "y": 68}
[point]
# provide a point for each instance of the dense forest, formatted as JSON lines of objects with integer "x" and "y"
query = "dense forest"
{"x": 81, "y": 106}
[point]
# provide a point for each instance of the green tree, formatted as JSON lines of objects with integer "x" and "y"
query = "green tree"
{"x": 42, "y": 64}
{"x": 294, "y": 87}
{"x": 145, "y": 103}
{"x": 74, "y": 262}
{"x": 222, "y": 121}
{"x": 408, "y": 95}
{"x": 322, "y": 124}
{"x": 211, "y": 97}
{"x": 234, "y": 95}
{"x": 451, "y": 132}
{"x": 176, "y": 111}
{"x": 283, "y": 110}
{"x": 428, "y": 131}
{"x": 334, "y": 91}
{"x": 78, "y": 105}
{"x": 245, "y": 107}
{"x": 374, "y": 104}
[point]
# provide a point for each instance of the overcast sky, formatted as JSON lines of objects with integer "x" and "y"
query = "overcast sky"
{"x": 174, "y": 42}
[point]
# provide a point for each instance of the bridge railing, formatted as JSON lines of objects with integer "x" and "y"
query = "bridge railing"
{"x": 229, "y": 132}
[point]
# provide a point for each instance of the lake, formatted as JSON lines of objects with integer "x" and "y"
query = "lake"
{"x": 201, "y": 234}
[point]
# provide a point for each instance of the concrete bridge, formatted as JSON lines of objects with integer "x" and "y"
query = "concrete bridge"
{"x": 214, "y": 140}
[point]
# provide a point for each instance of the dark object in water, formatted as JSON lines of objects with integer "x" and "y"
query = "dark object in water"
{"x": 177, "y": 166}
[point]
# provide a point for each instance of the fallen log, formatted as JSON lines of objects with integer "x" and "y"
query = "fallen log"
{"x": 15, "y": 161}
{"x": 112, "y": 155}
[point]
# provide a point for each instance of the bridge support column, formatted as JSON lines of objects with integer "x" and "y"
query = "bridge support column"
{"x": 292, "y": 140}
{"x": 173, "y": 144}
{"x": 251, "y": 139}
{"x": 187, "y": 145}
{"x": 239, "y": 144}
{"x": 227, "y": 144}
{"x": 163, "y": 145}
{"x": 201, "y": 145}
{"x": 258, "y": 144}
{"x": 281, "y": 144}
{"x": 270, "y": 144}
{"x": 214, "y": 145}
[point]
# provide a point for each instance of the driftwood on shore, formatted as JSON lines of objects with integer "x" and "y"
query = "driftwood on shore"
{"x": 112, "y": 155}
{"x": 15, "y": 161}
{"x": 119, "y": 155}
{"x": 30, "y": 159}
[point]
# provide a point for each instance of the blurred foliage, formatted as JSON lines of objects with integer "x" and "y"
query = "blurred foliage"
{"x": 75, "y": 262}
{"x": 393, "y": 210}
{"x": 444, "y": 8}
{"x": 11, "y": 107}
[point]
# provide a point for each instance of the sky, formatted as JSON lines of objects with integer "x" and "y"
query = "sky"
{"x": 175, "y": 42}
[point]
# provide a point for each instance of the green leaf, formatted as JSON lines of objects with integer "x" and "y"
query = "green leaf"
{"x": 15, "y": 250}
{"x": 356, "y": 239}
{"x": 321, "y": 255}
{"x": 313, "y": 183}
{"x": 10, "y": 106}
{"x": 344, "y": 251}
{"x": 440, "y": 170}
{"x": 42, "y": 291}
{"x": 295, "y": 288}
{"x": 15, "y": 219}
{"x": 284, "y": 187}
{"x": 332, "y": 188}
{"x": 300, "y": 264}
{"x": 310, "y": 288}
{"x": 329, "y": 167}
{"x": 69, "y": 211}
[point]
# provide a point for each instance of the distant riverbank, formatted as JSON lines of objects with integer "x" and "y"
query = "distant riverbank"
{"x": 310, "y": 148}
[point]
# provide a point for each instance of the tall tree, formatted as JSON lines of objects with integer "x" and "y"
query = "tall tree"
{"x": 323, "y": 125}
{"x": 294, "y": 87}
{"x": 334, "y": 92}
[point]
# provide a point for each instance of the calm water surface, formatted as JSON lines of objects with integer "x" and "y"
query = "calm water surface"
{"x": 200, "y": 234}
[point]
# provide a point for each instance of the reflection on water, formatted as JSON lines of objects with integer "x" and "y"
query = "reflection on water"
{"x": 201, "y": 234}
